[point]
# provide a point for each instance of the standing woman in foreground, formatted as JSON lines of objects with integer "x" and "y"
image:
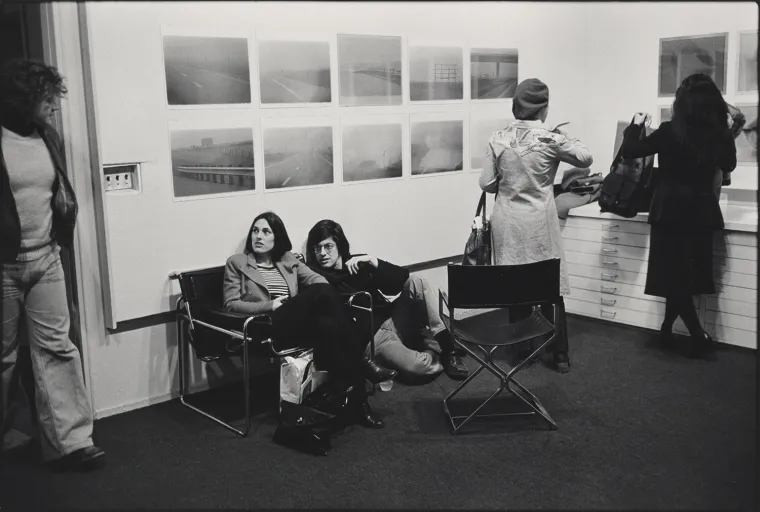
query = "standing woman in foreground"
{"x": 520, "y": 165}
{"x": 306, "y": 311}
{"x": 695, "y": 145}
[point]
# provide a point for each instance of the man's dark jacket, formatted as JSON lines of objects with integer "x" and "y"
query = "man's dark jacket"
{"x": 386, "y": 278}
{"x": 63, "y": 203}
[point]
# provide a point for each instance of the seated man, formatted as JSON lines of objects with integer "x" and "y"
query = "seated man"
{"x": 398, "y": 323}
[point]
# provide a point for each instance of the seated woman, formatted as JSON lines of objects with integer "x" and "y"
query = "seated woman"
{"x": 305, "y": 310}
{"x": 398, "y": 324}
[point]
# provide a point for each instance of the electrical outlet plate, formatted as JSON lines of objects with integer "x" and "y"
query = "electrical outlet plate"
{"x": 120, "y": 177}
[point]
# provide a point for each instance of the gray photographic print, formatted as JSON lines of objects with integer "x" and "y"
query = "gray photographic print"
{"x": 747, "y": 62}
{"x": 298, "y": 156}
{"x": 684, "y": 56}
{"x": 371, "y": 152}
{"x": 746, "y": 143}
{"x": 206, "y": 70}
{"x": 481, "y": 131}
{"x": 294, "y": 72}
{"x": 370, "y": 70}
{"x": 435, "y": 73}
{"x": 666, "y": 114}
{"x": 493, "y": 73}
{"x": 437, "y": 146}
{"x": 215, "y": 161}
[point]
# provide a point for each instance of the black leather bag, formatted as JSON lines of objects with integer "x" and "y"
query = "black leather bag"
{"x": 627, "y": 189}
{"x": 477, "y": 251}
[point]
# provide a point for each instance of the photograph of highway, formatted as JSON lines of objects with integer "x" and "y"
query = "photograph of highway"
{"x": 748, "y": 62}
{"x": 481, "y": 131}
{"x": 212, "y": 161}
{"x": 681, "y": 57}
{"x": 294, "y": 72}
{"x": 437, "y": 146}
{"x": 493, "y": 73}
{"x": 746, "y": 143}
{"x": 298, "y": 156}
{"x": 206, "y": 70}
{"x": 435, "y": 73}
{"x": 370, "y": 70}
{"x": 371, "y": 152}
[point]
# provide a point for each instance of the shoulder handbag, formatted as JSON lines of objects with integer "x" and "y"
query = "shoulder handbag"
{"x": 626, "y": 190}
{"x": 477, "y": 250}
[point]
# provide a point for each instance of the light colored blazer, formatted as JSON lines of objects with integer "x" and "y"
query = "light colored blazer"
{"x": 245, "y": 290}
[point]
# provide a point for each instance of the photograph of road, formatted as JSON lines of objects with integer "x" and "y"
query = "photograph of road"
{"x": 747, "y": 62}
{"x": 481, "y": 131}
{"x": 298, "y": 156}
{"x": 206, "y": 70}
{"x": 294, "y": 72}
{"x": 746, "y": 143}
{"x": 666, "y": 114}
{"x": 437, "y": 146}
{"x": 493, "y": 73}
{"x": 435, "y": 73}
{"x": 681, "y": 57}
{"x": 371, "y": 152}
{"x": 212, "y": 161}
{"x": 370, "y": 70}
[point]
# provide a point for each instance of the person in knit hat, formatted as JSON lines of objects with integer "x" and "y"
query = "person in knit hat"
{"x": 520, "y": 164}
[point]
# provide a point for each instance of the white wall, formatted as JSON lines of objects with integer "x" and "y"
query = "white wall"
{"x": 404, "y": 221}
{"x": 622, "y": 63}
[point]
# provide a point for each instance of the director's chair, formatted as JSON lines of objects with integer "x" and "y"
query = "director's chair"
{"x": 499, "y": 286}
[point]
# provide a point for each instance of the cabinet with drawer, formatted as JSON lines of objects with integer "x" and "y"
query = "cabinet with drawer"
{"x": 607, "y": 263}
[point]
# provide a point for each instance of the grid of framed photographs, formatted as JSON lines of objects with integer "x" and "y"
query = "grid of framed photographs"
{"x": 730, "y": 59}
{"x": 326, "y": 109}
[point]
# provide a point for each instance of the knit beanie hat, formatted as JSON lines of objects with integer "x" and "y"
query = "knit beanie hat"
{"x": 530, "y": 97}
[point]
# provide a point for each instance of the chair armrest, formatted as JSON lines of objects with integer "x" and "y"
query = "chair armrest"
{"x": 259, "y": 327}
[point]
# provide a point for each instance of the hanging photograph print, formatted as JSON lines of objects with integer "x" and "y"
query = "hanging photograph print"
{"x": 206, "y": 70}
{"x": 294, "y": 72}
{"x": 493, "y": 73}
{"x": 298, "y": 156}
{"x": 206, "y": 162}
{"x": 371, "y": 152}
{"x": 435, "y": 73}
{"x": 684, "y": 56}
{"x": 437, "y": 146}
{"x": 746, "y": 143}
{"x": 370, "y": 70}
{"x": 747, "y": 62}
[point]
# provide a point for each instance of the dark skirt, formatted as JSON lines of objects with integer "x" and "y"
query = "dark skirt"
{"x": 680, "y": 262}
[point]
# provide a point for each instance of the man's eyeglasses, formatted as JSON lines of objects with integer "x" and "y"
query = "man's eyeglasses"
{"x": 329, "y": 247}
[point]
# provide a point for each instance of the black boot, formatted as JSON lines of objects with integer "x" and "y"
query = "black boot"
{"x": 367, "y": 418}
{"x": 699, "y": 347}
{"x": 84, "y": 459}
{"x": 376, "y": 373}
{"x": 561, "y": 362}
{"x": 450, "y": 358}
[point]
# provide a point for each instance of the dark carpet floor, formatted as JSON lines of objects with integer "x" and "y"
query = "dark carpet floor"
{"x": 639, "y": 428}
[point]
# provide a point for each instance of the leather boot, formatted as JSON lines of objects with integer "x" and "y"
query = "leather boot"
{"x": 367, "y": 418}
{"x": 376, "y": 373}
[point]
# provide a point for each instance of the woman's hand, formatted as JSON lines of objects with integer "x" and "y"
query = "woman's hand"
{"x": 276, "y": 303}
{"x": 640, "y": 118}
{"x": 353, "y": 264}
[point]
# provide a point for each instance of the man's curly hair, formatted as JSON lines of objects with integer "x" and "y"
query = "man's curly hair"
{"x": 25, "y": 83}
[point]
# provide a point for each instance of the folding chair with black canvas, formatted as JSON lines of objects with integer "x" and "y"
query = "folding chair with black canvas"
{"x": 499, "y": 287}
{"x": 215, "y": 333}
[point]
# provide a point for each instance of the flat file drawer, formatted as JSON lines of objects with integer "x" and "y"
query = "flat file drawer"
{"x": 738, "y": 238}
{"x": 616, "y": 302}
{"x": 606, "y": 261}
{"x": 741, "y": 252}
{"x": 735, "y": 293}
{"x": 733, "y": 336}
{"x": 734, "y": 265}
{"x": 745, "y": 323}
{"x": 734, "y": 307}
{"x": 622, "y": 226}
{"x": 607, "y": 288}
{"x": 615, "y": 238}
{"x": 587, "y": 247}
{"x": 625, "y": 316}
{"x": 734, "y": 279}
{"x": 609, "y": 275}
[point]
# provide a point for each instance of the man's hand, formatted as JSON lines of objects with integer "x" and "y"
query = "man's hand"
{"x": 276, "y": 303}
{"x": 640, "y": 118}
{"x": 353, "y": 264}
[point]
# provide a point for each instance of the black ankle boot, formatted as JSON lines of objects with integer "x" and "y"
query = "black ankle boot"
{"x": 700, "y": 346}
{"x": 376, "y": 373}
{"x": 666, "y": 340}
{"x": 367, "y": 418}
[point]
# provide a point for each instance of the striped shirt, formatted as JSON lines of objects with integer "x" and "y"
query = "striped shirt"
{"x": 275, "y": 282}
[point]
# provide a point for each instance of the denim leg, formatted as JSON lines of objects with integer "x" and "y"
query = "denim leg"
{"x": 417, "y": 308}
{"x": 63, "y": 404}
{"x": 393, "y": 354}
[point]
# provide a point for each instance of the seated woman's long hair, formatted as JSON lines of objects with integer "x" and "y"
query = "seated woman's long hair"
{"x": 281, "y": 239}
{"x": 700, "y": 118}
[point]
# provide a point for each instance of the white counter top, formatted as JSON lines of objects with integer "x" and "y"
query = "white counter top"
{"x": 736, "y": 217}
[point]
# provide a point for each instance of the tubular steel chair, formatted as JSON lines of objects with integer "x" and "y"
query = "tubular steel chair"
{"x": 499, "y": 286}
{"x": 215, "y": 333}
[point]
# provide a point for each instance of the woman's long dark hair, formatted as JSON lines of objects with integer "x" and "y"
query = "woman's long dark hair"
{"x": 281, "y": 239}
{"x": 700, "y": 117}
{"x": 323, "y": 230}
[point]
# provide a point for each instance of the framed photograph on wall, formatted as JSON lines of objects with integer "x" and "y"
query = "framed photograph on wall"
{"x": 493, "y": 73}
{"x": 436, "y": 73}
{"x": 372, "y": 148}
{"x": 747, "y": 77}
{"x": 666, "y": 114}
{"x": 684, "y": 56}
{"x": 294, "y": 70}
{"x": 298, "y": 152}
{"x": 212, "y": 161}
{"x": 369, "y": 70}
{"x": 437, "y": 143}
{"x": 481, "y": 130}
{"x": 203, "y": 70}
{"x": 746, "y": 143}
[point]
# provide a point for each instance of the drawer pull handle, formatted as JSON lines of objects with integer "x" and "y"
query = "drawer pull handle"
{"x": 609, "y": 277}
{"x": 612, "y": 226}
{"x": 610, "y": 290}
{"x": 608, "y": 262}
{"x": 609, "y": 251}
{"x": 610, "y": 238}
{"x": 610, "y": 313}
{"x": 608, "y": 302}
